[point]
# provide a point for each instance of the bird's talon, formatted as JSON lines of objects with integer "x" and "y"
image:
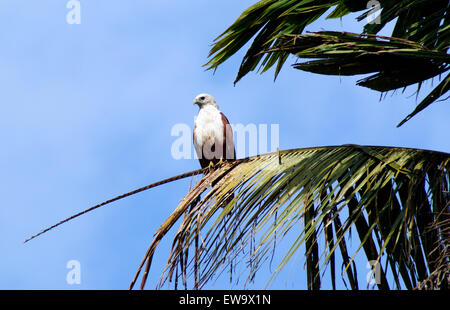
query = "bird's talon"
{"x": 210, "y": 166}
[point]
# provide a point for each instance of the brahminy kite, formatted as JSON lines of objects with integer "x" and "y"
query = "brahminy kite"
{"x": 213, "y": 135}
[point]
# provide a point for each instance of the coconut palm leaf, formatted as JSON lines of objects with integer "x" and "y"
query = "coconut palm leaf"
{"x": 342, "y": 53}
{"x": 416, "y": 51}
{"x": 390, "y": 196}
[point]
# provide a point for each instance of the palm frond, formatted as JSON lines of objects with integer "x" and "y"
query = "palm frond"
{"x": 398, "y": 62}
{"x": 416, "y": 51}
{"x": 390, "y": 195}
{"x": 122, "y": 196}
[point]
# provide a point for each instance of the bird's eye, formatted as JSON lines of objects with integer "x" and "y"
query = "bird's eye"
{"x": 202, "y": 98}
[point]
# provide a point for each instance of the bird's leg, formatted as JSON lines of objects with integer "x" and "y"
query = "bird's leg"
{"x": 210, "y": 166}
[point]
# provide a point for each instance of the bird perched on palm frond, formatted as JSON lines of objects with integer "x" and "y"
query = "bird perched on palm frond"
{"x": 213, "y": 136}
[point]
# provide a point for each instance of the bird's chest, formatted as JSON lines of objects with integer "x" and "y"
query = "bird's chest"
{"x": 208, "y": 126}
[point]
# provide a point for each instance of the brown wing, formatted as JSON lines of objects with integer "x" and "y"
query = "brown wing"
{"x": 229, "y": 153}
{"x": 228, "y": 150}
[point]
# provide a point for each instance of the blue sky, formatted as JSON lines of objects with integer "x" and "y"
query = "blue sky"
{"x": 87, "y": 111}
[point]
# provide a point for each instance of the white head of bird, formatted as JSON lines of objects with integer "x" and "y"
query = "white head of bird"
{"x": 203, "y": 100}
